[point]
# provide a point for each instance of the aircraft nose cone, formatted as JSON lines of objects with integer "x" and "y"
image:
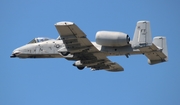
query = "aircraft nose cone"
{"x": 15, "y": 53}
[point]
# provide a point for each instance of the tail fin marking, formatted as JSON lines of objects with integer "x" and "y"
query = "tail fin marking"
{"x": 142, "y": 35}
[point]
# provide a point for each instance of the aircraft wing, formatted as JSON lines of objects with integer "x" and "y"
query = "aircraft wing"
{"x": 82, "y": 49}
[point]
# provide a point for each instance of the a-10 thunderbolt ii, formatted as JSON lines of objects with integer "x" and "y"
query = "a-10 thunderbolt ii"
{"x": 72, "y": 44}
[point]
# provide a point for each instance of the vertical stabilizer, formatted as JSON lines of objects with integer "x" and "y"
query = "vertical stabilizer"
{"x": 161, "y": 43}
{"x": 142, "y": 35}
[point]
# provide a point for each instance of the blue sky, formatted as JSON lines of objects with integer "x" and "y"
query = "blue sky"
{"x": 57, "y": 82}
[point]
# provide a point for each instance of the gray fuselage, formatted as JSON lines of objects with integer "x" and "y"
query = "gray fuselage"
{"x": 49, "y": 49}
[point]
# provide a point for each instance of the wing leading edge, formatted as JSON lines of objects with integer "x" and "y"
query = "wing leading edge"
{"x": 82, "y": 49}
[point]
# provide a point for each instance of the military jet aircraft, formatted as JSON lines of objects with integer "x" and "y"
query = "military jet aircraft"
{"x": 72, "y": 44}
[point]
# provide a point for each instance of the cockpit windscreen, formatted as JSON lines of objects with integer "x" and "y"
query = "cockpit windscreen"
{"x": 39, "y": 39}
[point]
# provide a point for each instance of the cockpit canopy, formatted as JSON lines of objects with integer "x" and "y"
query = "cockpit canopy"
{"x": 39, "y": 39}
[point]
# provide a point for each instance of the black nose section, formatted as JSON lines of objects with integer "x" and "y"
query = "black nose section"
{"x": 13, "y": 56}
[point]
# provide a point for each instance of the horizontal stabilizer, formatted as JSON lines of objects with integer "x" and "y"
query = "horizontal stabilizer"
{"x": 158, "y": 51}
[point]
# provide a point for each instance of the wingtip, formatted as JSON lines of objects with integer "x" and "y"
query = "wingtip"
{"x": 143, "y": 21}
{"x": 62, "y": 23}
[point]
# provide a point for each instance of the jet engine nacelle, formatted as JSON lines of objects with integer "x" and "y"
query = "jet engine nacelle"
{"x": 112, "y": 38}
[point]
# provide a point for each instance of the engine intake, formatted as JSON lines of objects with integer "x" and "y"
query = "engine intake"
{"x": 112, "y": 38}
